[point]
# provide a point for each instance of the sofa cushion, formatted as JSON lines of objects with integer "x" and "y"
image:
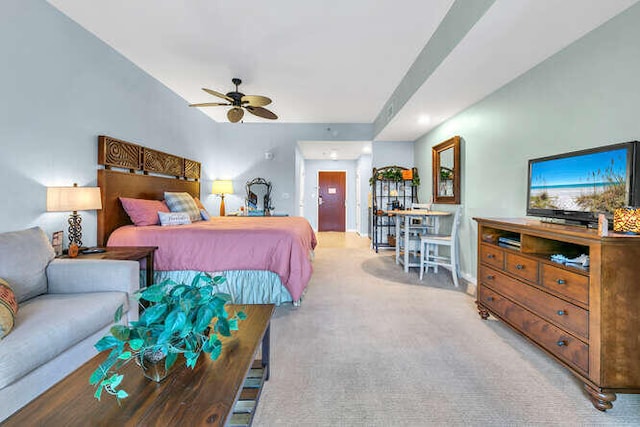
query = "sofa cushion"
{"x": 48, "y": 325}
{"x": 8, "y": 308}
{"x": 24, "y": 256}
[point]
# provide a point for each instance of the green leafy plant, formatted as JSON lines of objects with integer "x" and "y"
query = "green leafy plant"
{"x": 180, "y": 319}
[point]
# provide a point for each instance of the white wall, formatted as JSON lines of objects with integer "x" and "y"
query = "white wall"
{"x": 62, "y": 87}
{"x": 363, "y": 165}
{"x": 312, "y": 167}
{"x": 584, "y": 96}
{"x": 387, "y": 153}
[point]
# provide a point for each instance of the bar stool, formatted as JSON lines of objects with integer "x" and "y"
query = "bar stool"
{"x": 429, "y": 244}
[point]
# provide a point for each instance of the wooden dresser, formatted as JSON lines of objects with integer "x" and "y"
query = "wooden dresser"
{"x": 587, "y": 318}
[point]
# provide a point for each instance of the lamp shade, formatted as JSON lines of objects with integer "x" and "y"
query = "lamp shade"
{"x": 65, "y": 199}
{"x": 222, "y": 187}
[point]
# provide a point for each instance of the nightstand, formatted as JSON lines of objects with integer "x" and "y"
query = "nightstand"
{"x": 129, "y": 253}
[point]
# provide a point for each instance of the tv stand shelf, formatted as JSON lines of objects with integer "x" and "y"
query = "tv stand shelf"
{"x": 586, "y": 318}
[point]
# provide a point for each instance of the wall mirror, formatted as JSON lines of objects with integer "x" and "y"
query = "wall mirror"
{"x": 446, "y": 171}
{"x": 259, "y": 196}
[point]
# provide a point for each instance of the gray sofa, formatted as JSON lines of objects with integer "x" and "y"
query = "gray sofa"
{"x": 65, "y": 306}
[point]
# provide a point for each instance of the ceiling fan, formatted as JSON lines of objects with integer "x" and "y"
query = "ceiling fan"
{"x": 238, "y": 100}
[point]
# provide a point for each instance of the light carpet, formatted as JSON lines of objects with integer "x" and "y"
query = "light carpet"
{"x": 367, "y": 348}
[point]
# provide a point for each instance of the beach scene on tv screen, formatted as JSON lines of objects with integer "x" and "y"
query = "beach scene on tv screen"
{"x": 594, "y": 182}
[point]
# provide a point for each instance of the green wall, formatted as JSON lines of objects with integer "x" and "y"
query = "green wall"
{"x": 585, "y": 96}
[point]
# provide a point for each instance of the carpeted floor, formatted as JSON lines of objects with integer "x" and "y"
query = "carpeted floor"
{"x": 373, "y": 346}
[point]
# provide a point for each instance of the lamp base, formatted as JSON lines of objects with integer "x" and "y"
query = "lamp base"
{"x": 75, "y": 229}
{"x": 222, "y": 210}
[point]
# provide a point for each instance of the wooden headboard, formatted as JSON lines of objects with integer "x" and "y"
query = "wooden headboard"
{"x": 134, "y": 180}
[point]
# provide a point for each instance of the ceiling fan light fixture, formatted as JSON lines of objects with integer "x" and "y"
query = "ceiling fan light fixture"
{"x": 239, "y": 101}
{"x": 235, "y": 114}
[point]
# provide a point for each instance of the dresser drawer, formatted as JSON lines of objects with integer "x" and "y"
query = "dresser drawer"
{"x": 563, "y": 314}
{"x": 492, "y": 256}
{"x": 522, "y": 267}
{"x": 561, "y": 344}
{"x": 567, "y": 283}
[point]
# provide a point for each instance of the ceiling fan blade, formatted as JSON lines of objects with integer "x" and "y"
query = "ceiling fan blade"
{"x": 255, "y": 100}
{"x": 218, "y": 94}
{"x": 208, "y": 104}
{"x": 261, "y": 112}
{"x": 235, "y": 114}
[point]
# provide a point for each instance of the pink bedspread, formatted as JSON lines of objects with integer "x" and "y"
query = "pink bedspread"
{"x": 278, "y": 244}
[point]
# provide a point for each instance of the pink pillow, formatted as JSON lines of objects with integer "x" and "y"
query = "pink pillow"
{"x": 143, "y": 212}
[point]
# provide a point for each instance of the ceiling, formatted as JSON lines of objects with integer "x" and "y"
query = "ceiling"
{"x": 334, "y": 150}
{"x": 336, "y": 61}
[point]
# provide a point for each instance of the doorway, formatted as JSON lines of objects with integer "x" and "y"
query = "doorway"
{"x": 332, "y": 201}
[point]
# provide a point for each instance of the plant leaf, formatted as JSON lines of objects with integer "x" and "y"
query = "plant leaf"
{"x": 218, "y": 280}
{"x": 136, "y": 344}
{"x": 154, "y": 293}
{"x": 153, "y": 313}
{"x": 233, "y": 324}
{"x": 222, "y": 326}
{"x": 98, "y": 393}
{"x": 205, "y": 314}
{"x": 121, "y": 394}
{"x": 175, "y": 320}
{"x": 106, "y": 342}
{"x": 125, "y": 355}
{"x": 118, "y": 314}
{"x": 121, "y": 332}
{"x": 170, "y": 360}
{"x": 241, "y": 315}
{"x": 115, "y": 380}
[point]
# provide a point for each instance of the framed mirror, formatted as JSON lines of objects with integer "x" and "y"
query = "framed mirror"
{"x": 446, "y": 171}
{"x": 259, "y": 196}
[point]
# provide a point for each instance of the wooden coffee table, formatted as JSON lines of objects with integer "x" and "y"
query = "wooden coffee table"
{"x": 215, "y": 393}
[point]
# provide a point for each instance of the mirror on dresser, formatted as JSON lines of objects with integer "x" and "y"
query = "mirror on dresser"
{"x": 446, "y": 171}
{"x": 259, "y": 196}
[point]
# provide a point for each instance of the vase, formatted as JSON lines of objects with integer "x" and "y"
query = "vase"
{"x": 153, "y": 366}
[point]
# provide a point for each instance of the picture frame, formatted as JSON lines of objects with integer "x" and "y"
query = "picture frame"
{"x": 56, "y": 242}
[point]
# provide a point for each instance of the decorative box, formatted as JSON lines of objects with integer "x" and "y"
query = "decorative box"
{"x": 626, "y": 220}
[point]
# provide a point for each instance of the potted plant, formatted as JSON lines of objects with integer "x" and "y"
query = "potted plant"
{"x": 180, "y": 319}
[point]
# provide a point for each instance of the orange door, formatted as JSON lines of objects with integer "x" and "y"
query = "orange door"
{"x": 331, "y": 201}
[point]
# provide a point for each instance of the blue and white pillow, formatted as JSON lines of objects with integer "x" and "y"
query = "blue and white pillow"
{"x": 182, "y": 202}
{"x": 174, "y": 218}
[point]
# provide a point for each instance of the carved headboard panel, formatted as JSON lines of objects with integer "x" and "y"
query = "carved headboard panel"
{"x": 135, "y": 181}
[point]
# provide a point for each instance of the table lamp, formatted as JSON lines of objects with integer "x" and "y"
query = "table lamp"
{"x": 64, "y": 199}
{"x": 222, "y": 187}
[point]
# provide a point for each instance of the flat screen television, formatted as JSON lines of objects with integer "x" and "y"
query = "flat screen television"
{"x": 578, "y": 186}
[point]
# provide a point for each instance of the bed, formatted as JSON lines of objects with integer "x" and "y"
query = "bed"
{"x": 264, "y": 259}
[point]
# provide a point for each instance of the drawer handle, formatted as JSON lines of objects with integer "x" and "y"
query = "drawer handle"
{"x": 561, "y": 281}
{"x": 561, "y": 343}
{"x": 519, "y": 266}
{"x": 561, "y": 313}
{"x": 491, "y": 277}
{"x": 489, "y": 298}
{"x": 491, "y": 256}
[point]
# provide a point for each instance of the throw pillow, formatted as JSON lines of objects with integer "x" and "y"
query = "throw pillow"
{"x": 143, "y": 212}
{"x": 8, "y": 308}
{"x": 204, "y": 213}
{"x": 182, "y": 202}
{"x": 174, "y": 218}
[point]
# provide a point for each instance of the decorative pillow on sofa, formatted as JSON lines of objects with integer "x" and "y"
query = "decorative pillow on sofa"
{"x": 174, "y": 218}
{"x": 143, "y": 212}
{"x": 24, "y": 256}
{"x": 8, "y": 308}
{"x": 182, "y": 202}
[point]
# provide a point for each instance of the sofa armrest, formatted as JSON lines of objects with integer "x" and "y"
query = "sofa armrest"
{"x": 91, "y": 275}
